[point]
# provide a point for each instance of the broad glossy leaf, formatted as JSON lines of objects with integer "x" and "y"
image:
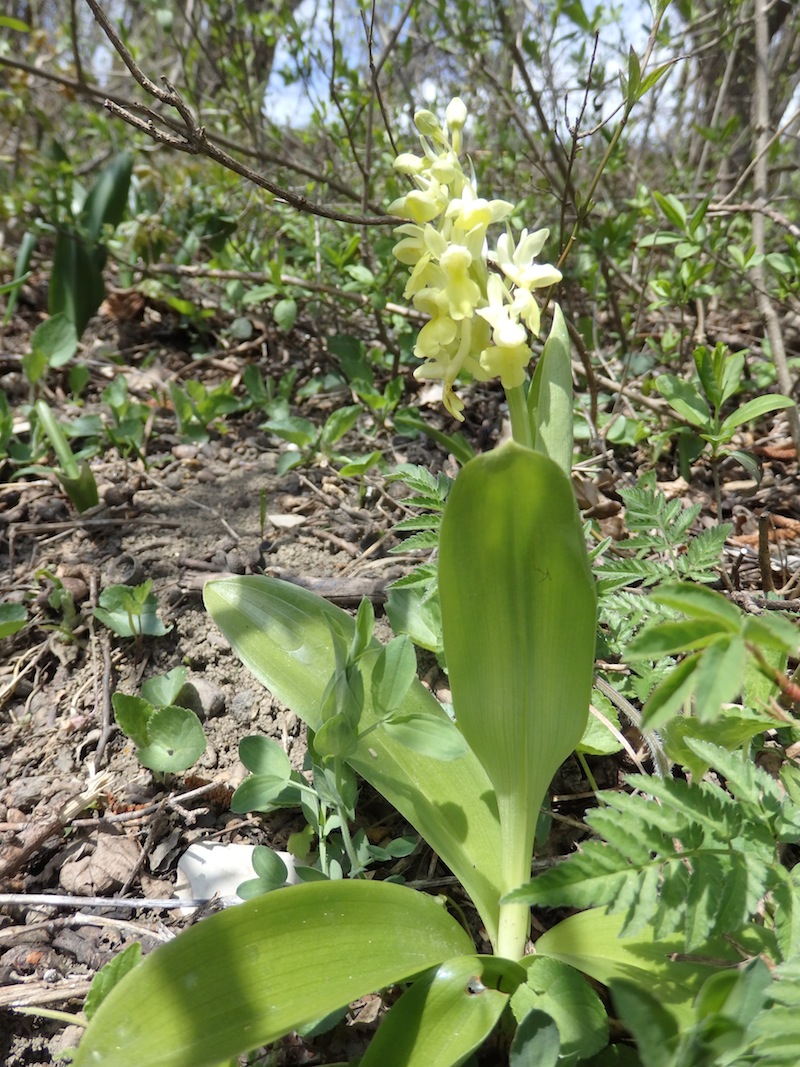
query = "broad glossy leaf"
{"x": 282, "y": 633}
{"x": 590, "y": 942}
{"x": 446, "y": 1015}
{"x": 105, "y": 204}
{"x": 248, "y": 975}
{"x": 550, "y": 396}
{"x": 518, "y": 613}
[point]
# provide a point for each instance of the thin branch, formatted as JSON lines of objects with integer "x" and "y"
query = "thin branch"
{"x": 259, "y": 154}
{"x": 761, "y": 197}
{"x": 193, "y": 139}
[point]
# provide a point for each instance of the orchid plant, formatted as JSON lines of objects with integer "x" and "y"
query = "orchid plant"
{"x": 519, "y": 617}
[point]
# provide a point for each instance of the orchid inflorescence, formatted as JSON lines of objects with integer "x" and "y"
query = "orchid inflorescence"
{"x": 481, "y": 320}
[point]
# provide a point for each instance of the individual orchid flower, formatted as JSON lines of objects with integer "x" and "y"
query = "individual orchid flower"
{"x": 452, "y": 359}
{"x": 412, "y": 247}
{"x": 421, "y": 205}
{"x": 425, "y": 275}
{"x": 461, "y": 295}
{"x": 509, "y": 354}
{"x": 470, "y": 210}
{"x": 455, "y": 116}
{"x": 516, "y": 262}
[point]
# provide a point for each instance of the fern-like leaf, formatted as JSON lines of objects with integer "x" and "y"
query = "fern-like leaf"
{"x": 684, "y": 856}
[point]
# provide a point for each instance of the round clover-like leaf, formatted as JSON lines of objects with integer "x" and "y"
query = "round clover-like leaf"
{"x": 175, "y": 740}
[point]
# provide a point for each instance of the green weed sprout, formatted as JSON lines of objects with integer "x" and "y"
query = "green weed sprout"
{"x": 168, "y": 738}
{"x": 77, "y": 480}
{"x": 518, "y": 619}
{"x": 131, "y": 611}
{"x": 700, "y": 402}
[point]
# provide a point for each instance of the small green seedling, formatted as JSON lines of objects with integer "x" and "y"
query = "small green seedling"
{"x": 131, "y": 611}
{"x": 307, "y": 442}
{"x": 271, "y": 873}
{"x": 61, "y": 600}
{"x": 168, "y": 738}
{"x": 77, "y": 480}
{"x": 196, "y": 407}
{"x": 130, "y": 418}
{"x": 700, "y": 402}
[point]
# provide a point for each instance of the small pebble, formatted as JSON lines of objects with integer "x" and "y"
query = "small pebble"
{"x": 202, "y": 697}
{"x": 184, "y": 451}
{"x": 242, "y": 706}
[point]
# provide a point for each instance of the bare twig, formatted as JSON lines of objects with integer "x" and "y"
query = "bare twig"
{"x": 55, "y": 900}
{"x": 761, "y": 196}
{"x": 194, "y": 140}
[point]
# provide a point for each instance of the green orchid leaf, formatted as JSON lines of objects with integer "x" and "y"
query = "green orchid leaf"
{"x": 445, "y": 1015}
{"x": 105, "y": 205}
{"x": 550, "y": 396}
{"x": 282, "y": 633}
{"x": 81, "y": 490}
{"x": 590, "y": 943}
{"x": 250, "y": 974}
{"x": 518, "y": 612}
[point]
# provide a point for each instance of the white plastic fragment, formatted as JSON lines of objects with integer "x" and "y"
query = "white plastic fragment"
{"x": 215, "y": 869}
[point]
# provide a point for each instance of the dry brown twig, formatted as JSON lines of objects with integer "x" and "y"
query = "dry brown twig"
{"x": 761, "y": 197}
{"x": 193, "y": 139}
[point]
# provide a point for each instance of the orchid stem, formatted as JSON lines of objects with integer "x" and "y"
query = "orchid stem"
{"x": 520, "y": 420}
